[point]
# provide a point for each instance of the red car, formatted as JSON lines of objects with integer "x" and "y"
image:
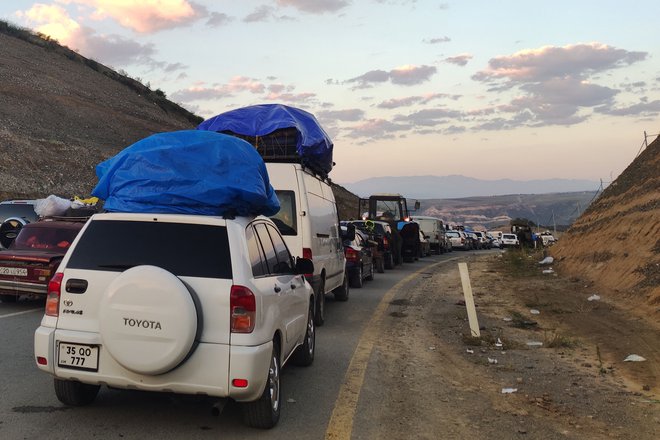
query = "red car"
{"x": 33, "y": 257}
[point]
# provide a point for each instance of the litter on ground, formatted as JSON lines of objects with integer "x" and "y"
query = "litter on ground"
{"x": 509, "y": 390}
{"x": 593, "y": 298}
{"x": 546, "y": 260}
{"x": 534, "y": 344}
{"x": 534, "y": 312}
{"x": 634, "y": 358}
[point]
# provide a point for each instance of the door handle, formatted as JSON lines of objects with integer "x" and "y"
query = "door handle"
{"x": 277, "y": 289}
{"x": 293, "y": 286}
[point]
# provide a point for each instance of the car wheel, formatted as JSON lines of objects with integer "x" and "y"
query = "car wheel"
{"x": 8, "y": 298}
{"x": 74, "y": 393}
{"x": 341, "y": 292}
{"x": 319, "y": 311}
{"x": 265, "y": 412}
{"x": 356, "y": 280}
{"x": 380, "y": 265}
{"x": 304, "y": 355}
{"x": 389, "y": 261}
{"x": 370, "y": 277}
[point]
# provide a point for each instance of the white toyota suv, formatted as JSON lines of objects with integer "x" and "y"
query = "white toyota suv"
{"x": 179, "y": 303}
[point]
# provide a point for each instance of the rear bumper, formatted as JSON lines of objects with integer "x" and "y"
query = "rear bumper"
{"x": 208, "y": 371}
{"x": 8, "y": 287}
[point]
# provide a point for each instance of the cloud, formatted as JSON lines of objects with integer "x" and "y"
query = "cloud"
{"x": 429, "y": 117}
{"x": 556, "y": 83}
{"x": 145, "y": 16}
{"x": 262, "y": 13}
{"x": 405, "y": 75}
{"x": 113, "y": 50}
{"x": 315, "y": 6}
{"x": 459, "y": 60}
{"x": 235, "y": 85}
{"x": 217, "y": 19}
{"x": 578, "y": 60}
{"x": 52, "y": 20}
{"x": 412, "y": 75}
{"x": 411, "y": 100}
{"x": 642, "y": 109}
{"x": 349, "y": 115}
{"x": 438, "y": 40}
{"x": 376, "y": 129}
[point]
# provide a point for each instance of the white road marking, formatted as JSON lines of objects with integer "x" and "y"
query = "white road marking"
{"x": 9, "y": 315}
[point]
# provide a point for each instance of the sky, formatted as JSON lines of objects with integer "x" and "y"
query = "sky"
{"x": 487, "y": 89}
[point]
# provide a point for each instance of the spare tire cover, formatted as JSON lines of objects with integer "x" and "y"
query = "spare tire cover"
{"x": 148, "y": 320}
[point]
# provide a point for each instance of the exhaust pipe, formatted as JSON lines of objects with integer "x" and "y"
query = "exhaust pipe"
{"x": 217, "y": 407}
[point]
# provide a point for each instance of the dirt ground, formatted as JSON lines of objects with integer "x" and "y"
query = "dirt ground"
{"x": 441, "y": 383}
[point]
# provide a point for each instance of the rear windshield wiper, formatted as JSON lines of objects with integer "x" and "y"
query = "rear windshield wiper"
{"x": 119, "y": 266}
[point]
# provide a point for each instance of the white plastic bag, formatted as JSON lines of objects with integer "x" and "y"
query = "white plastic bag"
{"x": 51, "y": 205}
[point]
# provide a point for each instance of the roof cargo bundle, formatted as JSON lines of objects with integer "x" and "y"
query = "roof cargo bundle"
{"x": 187, "y": 172}
{"x": 279, "y": 133}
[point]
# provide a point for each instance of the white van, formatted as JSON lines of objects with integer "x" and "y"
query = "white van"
{"x": 309, "y": 222}
{"x": 433, "y": 229}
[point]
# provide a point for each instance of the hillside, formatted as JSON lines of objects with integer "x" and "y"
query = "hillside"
{"x": 615, "y": 244}
{"x": 550, "y": 210}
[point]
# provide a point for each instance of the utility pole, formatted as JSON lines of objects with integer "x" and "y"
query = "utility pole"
{"x": 554, "y": 224}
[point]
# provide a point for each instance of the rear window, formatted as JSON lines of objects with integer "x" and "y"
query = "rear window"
{"x": 180, "y": 248}
{"x": 47, "y": 238}
{"x": 24, "y": 210}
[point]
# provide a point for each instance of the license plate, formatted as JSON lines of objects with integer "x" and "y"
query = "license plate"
{"x": 78, "y": 356}
{"x": 16, "y": 271}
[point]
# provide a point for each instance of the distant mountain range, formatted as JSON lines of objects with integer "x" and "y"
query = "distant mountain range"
{"x": 455, "y": 186}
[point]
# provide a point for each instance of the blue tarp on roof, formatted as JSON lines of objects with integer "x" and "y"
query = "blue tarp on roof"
{"x": 187, "y": 172}
{"x": 313, "y": 145}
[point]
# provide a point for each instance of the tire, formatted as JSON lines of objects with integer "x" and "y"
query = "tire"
{"x": 370, "y": 277}
{"x": 319, "y": 306}
{"x": 264, "y": 412}
{"x": 8, "y": 298}
{"x": 380, "y": 265}
{"x": 356, "y": 280}
{"x": 304, "y": 354}
{"x": 75, "y": 393}
{"x": 341, "y": 292}
{"x": 389, "y": 261}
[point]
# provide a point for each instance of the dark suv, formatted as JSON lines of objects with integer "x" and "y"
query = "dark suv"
{"x": 380, "y": 232}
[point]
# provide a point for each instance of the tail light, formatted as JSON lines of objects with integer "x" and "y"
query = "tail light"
{"x": 243, "y": 307}
{"x": 307, "y": 253}
{"x": 352, "y": 255}
{"x": 53, "y": 296}
{"x": 386, "y": 243}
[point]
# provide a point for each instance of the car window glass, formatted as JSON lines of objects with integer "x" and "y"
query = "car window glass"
{"x": 286, "y": 219}
{"x": 254, "y": 251}
{"x": 48, "y": 238}
{"x": 267, "y": 247}
{"x": 283, "y": 256}
{"x": 184, "y": 249}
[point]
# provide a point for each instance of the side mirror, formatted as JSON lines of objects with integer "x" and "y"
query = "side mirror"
{"x": 304, "y": 265}
{"x": 417, "y": 205}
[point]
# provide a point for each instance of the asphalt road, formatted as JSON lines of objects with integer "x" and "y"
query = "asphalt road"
{"x": 30, "y": 410}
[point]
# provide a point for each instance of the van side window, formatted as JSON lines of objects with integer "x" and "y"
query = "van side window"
{"x": 284, "y": 264}
{"x": 286, "y": 218}
{"x": 267, "y": 246}
{"x": 254, "y": 252}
